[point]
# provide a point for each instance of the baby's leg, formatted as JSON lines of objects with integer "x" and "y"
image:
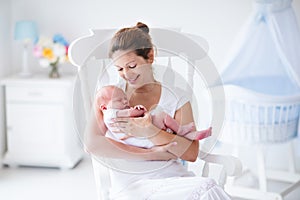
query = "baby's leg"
{"x": 158, "y": 120}
{"x": 174, "y": 125}
{"x": 199, "y": 135}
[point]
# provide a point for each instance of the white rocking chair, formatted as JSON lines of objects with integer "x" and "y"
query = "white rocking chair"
{"x": 90, "y": 55}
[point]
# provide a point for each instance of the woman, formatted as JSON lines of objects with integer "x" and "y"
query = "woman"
{"x": 158, "y": 172}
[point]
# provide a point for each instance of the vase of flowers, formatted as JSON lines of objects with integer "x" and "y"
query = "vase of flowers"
{"x": 52, "y": 53}
{"x": 54, "y": 71}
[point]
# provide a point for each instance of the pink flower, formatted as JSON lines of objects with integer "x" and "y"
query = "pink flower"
{"x": 51, "y": 52}
{"x": 38, "y": 51}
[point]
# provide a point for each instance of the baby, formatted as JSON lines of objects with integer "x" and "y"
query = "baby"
{"x": 113, "y": 102}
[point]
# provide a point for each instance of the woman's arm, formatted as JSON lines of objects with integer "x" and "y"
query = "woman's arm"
{"x": 185, "y": 149}
{"x": 100, "y": 146}
{"x": 143, "y": 127}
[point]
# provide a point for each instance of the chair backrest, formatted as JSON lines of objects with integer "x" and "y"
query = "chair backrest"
{"x": 178, "y": 60}
{"x": 192, "y": 69}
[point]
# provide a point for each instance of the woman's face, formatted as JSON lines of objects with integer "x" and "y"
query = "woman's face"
{"x": 135, "y": 70}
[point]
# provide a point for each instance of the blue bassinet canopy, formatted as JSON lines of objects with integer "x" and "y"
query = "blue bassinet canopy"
{"x": 266, "y": 54}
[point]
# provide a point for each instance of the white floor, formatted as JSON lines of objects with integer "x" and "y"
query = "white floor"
{"x": 25, "y": 183}
{"x": 278, "y": 186}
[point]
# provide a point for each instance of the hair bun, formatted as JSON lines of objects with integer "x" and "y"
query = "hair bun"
{"x": 143, "y": 27}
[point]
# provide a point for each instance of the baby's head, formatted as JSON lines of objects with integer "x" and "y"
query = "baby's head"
{"x": 111, "y": 97}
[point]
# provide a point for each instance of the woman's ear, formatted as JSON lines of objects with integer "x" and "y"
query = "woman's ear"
{"x": 151, "y": 56}
{"x": 103, "y": 107}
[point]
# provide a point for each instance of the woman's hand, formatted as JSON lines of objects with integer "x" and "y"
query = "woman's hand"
{"x": 163, "y": 148}
{"x": 158, "y": 150}
{"x": 137, "y": 127}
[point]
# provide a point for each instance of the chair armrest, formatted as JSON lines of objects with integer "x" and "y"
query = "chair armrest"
{"x": 231, "y": 164}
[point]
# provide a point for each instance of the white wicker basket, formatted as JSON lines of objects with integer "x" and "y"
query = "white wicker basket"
{"x": 253, "y": 117}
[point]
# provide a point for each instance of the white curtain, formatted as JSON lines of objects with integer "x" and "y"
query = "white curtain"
{"x": 267, "y": 51}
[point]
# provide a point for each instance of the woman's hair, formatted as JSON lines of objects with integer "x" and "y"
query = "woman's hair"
{"x": 134, "y": 38}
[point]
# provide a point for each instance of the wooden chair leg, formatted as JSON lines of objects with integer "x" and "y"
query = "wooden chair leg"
{"x": 234, "y": 152}
{"x": 291, "y": 157}
{"x": 261, "y": 169}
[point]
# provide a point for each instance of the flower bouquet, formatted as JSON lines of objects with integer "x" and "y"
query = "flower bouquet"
{"x": 51, "y": 52}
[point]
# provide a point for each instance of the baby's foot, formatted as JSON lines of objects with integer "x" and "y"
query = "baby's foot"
{"x": 203, "y": 134}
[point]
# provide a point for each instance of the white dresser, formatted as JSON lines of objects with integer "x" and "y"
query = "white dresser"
{"x": 40, "y": 128}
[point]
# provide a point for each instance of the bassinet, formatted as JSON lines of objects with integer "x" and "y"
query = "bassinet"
{"x": 253, "y": 117}
{"x": 262, "y": 87}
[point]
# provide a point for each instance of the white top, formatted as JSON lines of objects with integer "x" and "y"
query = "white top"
{"x": 125, "y": 172}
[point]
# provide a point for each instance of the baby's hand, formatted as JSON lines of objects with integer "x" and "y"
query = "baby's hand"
{"x": 137, "y": 111}
{"x": 140, "y": 107}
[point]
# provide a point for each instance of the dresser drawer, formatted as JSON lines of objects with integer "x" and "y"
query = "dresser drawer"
{"x": 39, "y": 94}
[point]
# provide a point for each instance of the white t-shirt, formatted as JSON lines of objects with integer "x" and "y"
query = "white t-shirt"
{"x": 125, "y": 172}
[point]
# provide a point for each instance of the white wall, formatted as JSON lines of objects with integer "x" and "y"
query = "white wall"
{"x": 74, "y": 18}
{"x": 216, "y": 20}
{"x": 5, "y": 37}
{"x": 5, "y": 60}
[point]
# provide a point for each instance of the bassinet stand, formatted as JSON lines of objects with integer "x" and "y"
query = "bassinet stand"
{"x": 280, "y": 131}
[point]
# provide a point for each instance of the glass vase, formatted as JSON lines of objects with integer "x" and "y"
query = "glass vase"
{"x": 54, "y": 72}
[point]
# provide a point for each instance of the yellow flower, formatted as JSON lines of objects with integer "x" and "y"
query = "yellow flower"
{"x": 51, "y": 51}
{"x": 48, "y": 53}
